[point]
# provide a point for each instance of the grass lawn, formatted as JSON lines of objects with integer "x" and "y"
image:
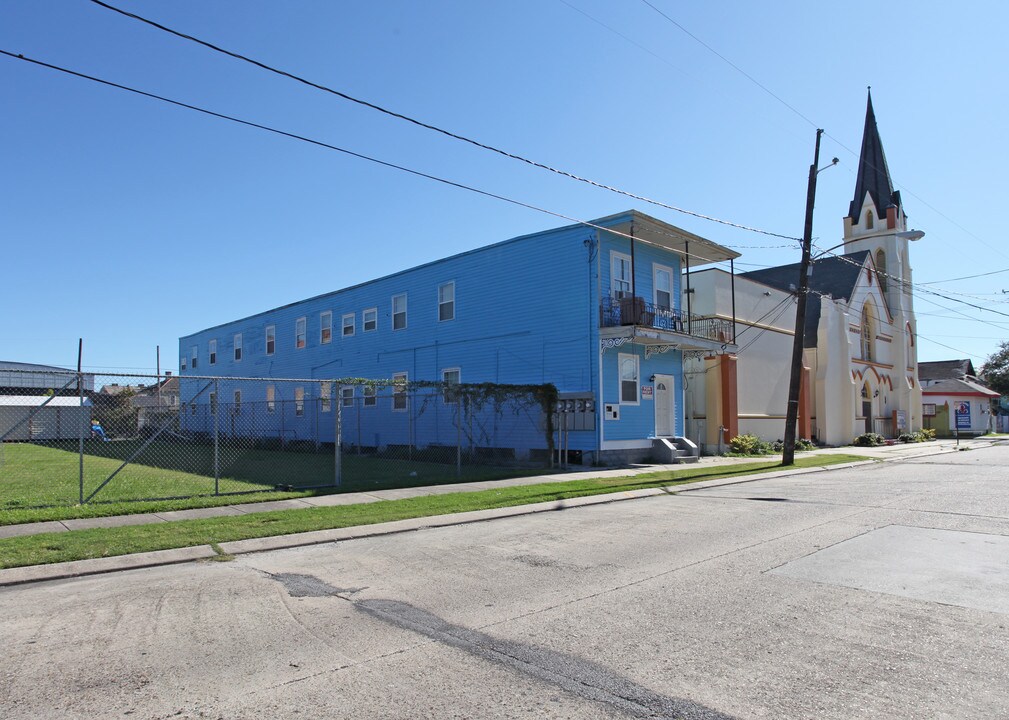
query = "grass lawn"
{"x": 42, "y": 482}
{"x": 83, "y": 544}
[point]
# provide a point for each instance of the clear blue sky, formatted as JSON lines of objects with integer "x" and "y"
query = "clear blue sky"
{"x": 129, "y": 222}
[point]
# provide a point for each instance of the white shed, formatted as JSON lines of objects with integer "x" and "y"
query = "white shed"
{"x": 62, "y": 418}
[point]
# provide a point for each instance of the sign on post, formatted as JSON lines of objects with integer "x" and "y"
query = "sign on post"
{"x": 962, "y": 410}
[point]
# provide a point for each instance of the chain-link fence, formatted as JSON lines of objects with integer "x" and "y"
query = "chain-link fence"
{"x": 102, "y": 438}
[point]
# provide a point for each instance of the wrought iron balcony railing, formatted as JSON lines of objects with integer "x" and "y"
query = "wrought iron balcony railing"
{"x": 615, "y": 312}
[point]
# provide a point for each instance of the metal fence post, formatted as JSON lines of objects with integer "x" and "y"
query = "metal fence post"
{"x": 458, "y": 437}
{"x": 338, "y": 442}
{"x": 217, "y": 457}
{"x": 80, "y": 434}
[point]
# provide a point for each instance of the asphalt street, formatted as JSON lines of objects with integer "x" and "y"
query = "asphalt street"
{"x": 871, "y": 592}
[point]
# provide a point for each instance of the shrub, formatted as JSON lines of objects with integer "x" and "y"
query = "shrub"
{"x": 909, "y": 437}
{"x": 926, "y": 434}
{"x": 869, "y": 439}
{"x": 749, "y": 445}
{"x": 804, "y": 445}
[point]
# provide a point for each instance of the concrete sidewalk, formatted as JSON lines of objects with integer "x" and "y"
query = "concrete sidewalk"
{"x": 893, "y": 452}
{"x": 78, "y": 568}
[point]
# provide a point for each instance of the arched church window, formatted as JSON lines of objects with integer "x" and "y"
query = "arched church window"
{"x": 881, "y": 269}
{"x": 868, "y": 220}
{"x": 867, "y": 333}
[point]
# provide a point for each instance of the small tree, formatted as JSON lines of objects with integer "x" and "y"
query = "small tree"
{"x": 995, "y": 371}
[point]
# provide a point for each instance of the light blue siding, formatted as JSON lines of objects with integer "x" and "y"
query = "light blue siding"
{"x": 527, "y": 311}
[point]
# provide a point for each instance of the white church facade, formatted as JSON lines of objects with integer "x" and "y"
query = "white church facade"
{"x": 860, "y": 354}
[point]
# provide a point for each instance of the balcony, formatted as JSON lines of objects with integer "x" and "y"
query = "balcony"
{"x": 676, "y": 326}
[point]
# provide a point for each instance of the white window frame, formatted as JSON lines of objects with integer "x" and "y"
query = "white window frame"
{"x": 271, "y": 338}
{"x": 618, "y": 291}
{"x": 402, "y": 312}
{"x": 301, "y": 333}
{"x": 325, "y": 396}
{"x": 445, "y": 395}
{"x": 212, "y": 352}
{"x": 347, "y": 396}
{"x": 238, "y": 347}
{"x": 373, "y": 312}
{"x": 299, "y": 401}
{"x": 325, "y": 327}
{"x": 348, "y": 329}
{"x": 621, "y": 358}
{"x": 369, "y": 395}
{"x": 237, "y": 407}
{"x": 928, "y": 409}
{"x": 192, "y": 356}
{"x": 271, "y": 398}
{"x": 449, "y": 303}
{"x": 656, "y": 269}
{"x": 183, "y": 364}
{"x": 401, "y": 380}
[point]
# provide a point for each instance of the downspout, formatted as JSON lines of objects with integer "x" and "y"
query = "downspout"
{"x": 732, "y": 281}
{"x": 690, "y": 315}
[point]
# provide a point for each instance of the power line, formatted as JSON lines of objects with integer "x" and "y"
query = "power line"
{"x": 925, "y": 290}
{"x": 328, "y": 146}
{"x": 965, "y": 277}
{"x": 434, "y": 128}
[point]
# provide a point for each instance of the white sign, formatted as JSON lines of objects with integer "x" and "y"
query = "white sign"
{"x": 646, "y": 392}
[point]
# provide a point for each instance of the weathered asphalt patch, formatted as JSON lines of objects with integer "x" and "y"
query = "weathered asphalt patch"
{"x": 298, "y": 585}
{"x": 580, "y": 677}
{"x": 946, "y": 566}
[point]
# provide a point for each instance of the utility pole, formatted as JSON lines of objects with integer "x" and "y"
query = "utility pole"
{"x": 792, "y": 413}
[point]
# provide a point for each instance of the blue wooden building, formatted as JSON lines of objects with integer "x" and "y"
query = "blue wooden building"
{"x": 602, "y": 311}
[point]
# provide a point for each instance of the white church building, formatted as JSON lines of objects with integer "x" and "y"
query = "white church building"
{"x": 860, "y": 354}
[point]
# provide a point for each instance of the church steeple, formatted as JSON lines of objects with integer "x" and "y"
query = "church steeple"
{"x": 873, "y": 174}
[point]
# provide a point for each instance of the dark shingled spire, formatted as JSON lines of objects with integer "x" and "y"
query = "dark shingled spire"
{"x": 873, "y": 174}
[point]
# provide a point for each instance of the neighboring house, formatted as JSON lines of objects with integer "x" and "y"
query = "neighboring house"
{"x": 930, "y": 373}
{"x": 40, "y": 417}
{"x": 18, "y": 378}
{"x": 860, "y": 359}
{"x": 958, "y": 407}
{"x": 596, "y": 312}
{"x": 155, "y": 400}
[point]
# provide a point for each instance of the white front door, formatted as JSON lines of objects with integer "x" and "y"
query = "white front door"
{"x": 665, "y": 406}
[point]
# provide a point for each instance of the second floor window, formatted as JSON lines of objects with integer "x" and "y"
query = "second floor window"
{"x": 212, "y": 352}
{"x": 192, "y": 361}
{"x": 620, "y": 275}
{"x": 238, "y": 347}
{"x": 399, "y": 312}
{"x": 369, "y": 319}
{"x": 348, "y": 324}
{"x": 271, "y": 339}
{"x": 299, "y": 333}
{"x": 446, "y": 301}
{"x": 663, "y": 288}
{"x": 325, "y": 327}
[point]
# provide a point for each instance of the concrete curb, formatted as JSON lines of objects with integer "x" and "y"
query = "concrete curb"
{"x": 96, "y": 566}
{"x": 78, "y": 568}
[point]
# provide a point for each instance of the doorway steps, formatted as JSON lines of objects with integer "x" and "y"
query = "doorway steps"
{"x": 675, "y": 451}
